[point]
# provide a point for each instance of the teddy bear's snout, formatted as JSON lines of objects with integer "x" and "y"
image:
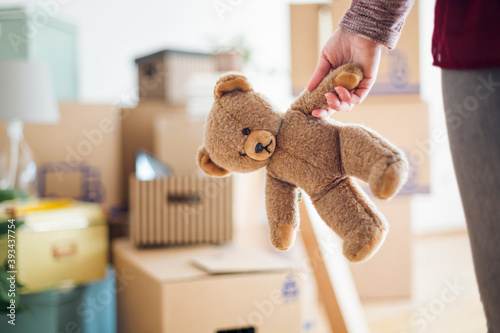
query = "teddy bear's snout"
{"x": 260, "y": 145}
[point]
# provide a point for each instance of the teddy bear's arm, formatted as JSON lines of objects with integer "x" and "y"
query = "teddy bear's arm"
{"x": 347, "y": 76}
{"x": 282, "y": 212}
{"x": 368, "y": 156}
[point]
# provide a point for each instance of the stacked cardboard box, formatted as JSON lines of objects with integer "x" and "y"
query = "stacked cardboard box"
{"x": 206, "y": 288}
{"x": 395, "y": 110}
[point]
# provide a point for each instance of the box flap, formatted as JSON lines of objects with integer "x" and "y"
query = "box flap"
{"x": 179, "y": 263}
{"x": 238, "y": 258}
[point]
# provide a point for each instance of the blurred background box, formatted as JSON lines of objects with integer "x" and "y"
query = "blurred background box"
{"x": 163, "y": 75}
{"x": 52, "y": 311}
{"x": 312, "y": 24}
{"x": 35, "y": 34}
{"x": 80, "y": 157}
{"x": 60, "y": 246}
{"x": 200, "y": 94}
{"x": 181, "y": 210}
{"x": 177, "y": 139}
{"x": 138, "y": 132}
{"x": 304, "y": 43}
{"x": 89, "y": 308}
{"x": 206, "y": 289}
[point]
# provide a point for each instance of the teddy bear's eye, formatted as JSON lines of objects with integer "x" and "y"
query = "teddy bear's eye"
{"x": 246, "y": 131}
{"x": 242, "y": 153}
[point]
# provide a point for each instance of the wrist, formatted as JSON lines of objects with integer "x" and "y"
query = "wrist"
{"x": 360, "y": 41}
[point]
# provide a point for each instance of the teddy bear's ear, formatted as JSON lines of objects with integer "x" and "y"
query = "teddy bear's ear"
{"x": 231, "y": 82}
{"x": 208, "y": 166}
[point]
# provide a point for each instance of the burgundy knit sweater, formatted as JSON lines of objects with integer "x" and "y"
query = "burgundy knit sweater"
{"x": 466, "y": 32}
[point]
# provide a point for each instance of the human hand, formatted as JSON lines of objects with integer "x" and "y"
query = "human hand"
{"x": 343, "y": 48}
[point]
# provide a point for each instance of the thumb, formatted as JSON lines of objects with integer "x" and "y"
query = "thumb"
{"x": 322, "y": 69}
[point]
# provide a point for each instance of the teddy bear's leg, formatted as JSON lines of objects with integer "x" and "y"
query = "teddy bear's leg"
{"x": 282, "y": 212}
{"x": 348, "y": 212}
{"x": 347, "y": 76}
{"x": 369, "y": 157}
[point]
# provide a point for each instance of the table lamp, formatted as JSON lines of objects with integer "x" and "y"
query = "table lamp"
{"x": 26, "y": 96}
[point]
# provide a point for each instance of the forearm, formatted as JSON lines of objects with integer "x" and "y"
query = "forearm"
{"x": 378, "y": 20}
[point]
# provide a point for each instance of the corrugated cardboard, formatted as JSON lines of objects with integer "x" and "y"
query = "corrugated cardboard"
{"x": 404, "y": 120}
{"x": 167, "y": 291}
{"x": 138, "y": 133}
{"x": 399, "y": 68}
{"x": 389, "y": 272}
{"x": 181, "y": 210}
{"x": 66, "y": 245}
{"x": 80, "y": 157}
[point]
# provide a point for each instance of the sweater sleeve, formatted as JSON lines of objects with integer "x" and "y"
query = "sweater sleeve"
{"x": 378, "y": 20}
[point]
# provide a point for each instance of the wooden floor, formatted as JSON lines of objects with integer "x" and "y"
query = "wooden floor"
{"x": 445, "y": 296}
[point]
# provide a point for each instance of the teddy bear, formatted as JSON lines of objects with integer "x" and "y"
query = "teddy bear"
{"x": 245, "y": 132}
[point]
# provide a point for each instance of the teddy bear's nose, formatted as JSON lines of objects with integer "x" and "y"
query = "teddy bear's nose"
{"x": 260, "y": 145}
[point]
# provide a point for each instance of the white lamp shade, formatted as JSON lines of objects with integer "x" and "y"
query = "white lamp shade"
{"x": 26, "y": 93}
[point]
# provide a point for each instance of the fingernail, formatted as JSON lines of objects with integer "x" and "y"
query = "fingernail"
{"x": 329, "y": 98}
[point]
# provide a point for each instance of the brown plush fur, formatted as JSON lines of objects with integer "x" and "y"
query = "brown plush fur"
{"x": 316, "y": 155}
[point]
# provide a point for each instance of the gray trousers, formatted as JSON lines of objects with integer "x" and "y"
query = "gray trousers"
{"x": 472, "y": 107}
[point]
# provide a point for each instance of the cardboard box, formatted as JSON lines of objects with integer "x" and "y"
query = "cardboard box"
{"x": 304, "y": 31}
{"x": 177, "y": 139}
{"x": 404, "y": 120}
{"x": 138, "y": 132}
{"x": 68, "y": 309}
{"x": 206, "y": 288}
{"x": 51, "y": 311}
{"x": 181, "y": 210}
{"x": 399, "y": 70}
{"x": 57, "y": 247}
{"x": 163, "y": 75}
{"x": 80, "y": 157}
{"x": 389, "y": 272}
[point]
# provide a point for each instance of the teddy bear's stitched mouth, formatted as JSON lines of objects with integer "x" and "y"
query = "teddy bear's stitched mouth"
{"x": 259, "y": 148}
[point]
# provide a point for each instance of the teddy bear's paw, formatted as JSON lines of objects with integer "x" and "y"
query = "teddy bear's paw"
{"x": 363, "y": 242}
{"x": 283, "y": 236}
{"x": 385, "y": 181}
{"x": 350, "y": 76}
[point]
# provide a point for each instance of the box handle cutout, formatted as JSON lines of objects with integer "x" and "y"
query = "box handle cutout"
{"x": 239, "y": 330}
{"x": 184, "y": 198}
